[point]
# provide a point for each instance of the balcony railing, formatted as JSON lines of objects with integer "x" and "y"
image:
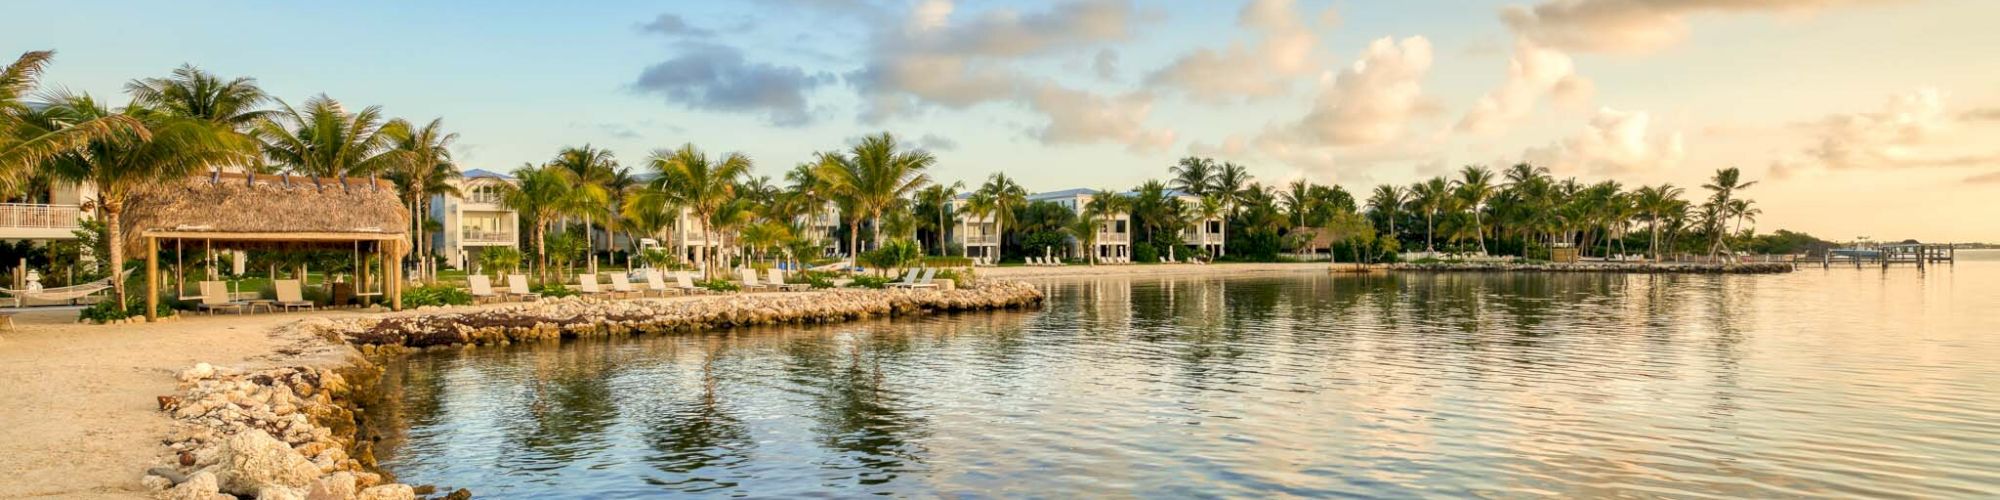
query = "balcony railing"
{"x": 1106, "y": 237}
{"x": 485, "y": 236}
{"x": 38, "y": 216}
{"x": 982, "y": 239}
{"x": 485, "y": 198}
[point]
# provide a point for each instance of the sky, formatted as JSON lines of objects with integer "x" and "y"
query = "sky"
{"x": 1857, "y": 118}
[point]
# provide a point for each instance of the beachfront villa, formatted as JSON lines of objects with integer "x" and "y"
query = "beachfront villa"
{"x": 978, "y": 235}
{"x": 475, "y": 219}
{"x": 820, "y": 227}
{"x": 1114, "y": 237}
{"x": 54, "y": 214}
{"x": 1205, "y": 234}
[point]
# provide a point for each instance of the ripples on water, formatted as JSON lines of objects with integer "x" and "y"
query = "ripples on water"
{"x": 1822, "y": 383}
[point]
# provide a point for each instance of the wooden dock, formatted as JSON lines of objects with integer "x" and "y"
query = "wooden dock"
{"x": 1922, "y": 255}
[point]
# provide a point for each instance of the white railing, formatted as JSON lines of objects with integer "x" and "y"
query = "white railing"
{"x": 39, "y": 216}
{"x": 486, "y": 198}
{"x": 982, "y": 239}
{"x": 485, "y": 236}
{"x": 1110, "y": 237}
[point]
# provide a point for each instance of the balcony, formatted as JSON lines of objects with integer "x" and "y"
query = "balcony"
{"x": 975, "y": 240}
{"x": 38, "y": 221}
{"x": 483, "y": 198}
{"x": 472, "y": 236}
{"x": 1113, "y": 238}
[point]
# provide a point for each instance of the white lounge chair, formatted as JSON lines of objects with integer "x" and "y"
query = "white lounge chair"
{"x": 749, "y": 279}
{"x": 622, "y": 284}
{"x": 480, "y": 286}
{"x": 912, "y": 281}
{"x": 517, "y": 286}
{"x": 686, "y": 283}
{"x": 777, "y": 280}
{"x": 586, "y": 284}
{"x": 658, "y": 284}
{"x": 215, "y": 297}
{"x": 291, "y": 297}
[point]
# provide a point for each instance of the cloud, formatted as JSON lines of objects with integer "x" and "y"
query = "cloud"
{"x": 1986, "y": 178}
{"x": 1531, "y": 72}
{"x": 1910, "y": 129}
{"x": 1105, "y": 64}
{"x": 1637, "y": 26}
{"x": 1283, "y": 51}
{"x": 672, "y": 25}
{"x": 1371, "y": 101}
{"x": 718, "y": 78}
{"x": 1081, "y": 117}
{"x": 936, "y": 142}
{"x": 1980, "y": 115}
{"x": 1613, "y": 142}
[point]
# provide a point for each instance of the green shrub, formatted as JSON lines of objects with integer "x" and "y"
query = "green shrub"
{"x": 435, "y": 295}
{"x": 865, "y": 281}
{"x": 961, "y": 278}
{"x": 817, "y": 280}
{"x": 719, "y": 285}
{"x": 893, "y": 253}
{"x": 947, "y": 262}
{"x": 1144, "y": 253}
{"x": 109, "y": 311}
{"x": 552, "y": 290}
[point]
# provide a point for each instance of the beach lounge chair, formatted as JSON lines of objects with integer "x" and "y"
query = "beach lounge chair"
{"x": 291, "y": 297}
{"x": 912, "y": 281}
{"x": 586, "y": 284}
{"x": 908, "y": 278}
{"x": 480, "y": 286}
{"x": 517, "y": 286}
{"x": 622, "y": 284}
{"x": 777, "y": 280}
{"x": 686, "y": 284}
{"x": 215, "y": 297}
{"x": 749, "y": 277}
{"x": 658, "y": 284}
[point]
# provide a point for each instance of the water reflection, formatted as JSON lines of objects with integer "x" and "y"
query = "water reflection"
{"x": 1816, "y": 383}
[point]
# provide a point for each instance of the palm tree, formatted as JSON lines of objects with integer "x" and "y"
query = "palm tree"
{"x": 691, "y": 179}
{"x": 1210, "y": 208}
{"x": 421, "y": 168}
{"x": 541, "y": 193}
{"x": 1193, "y": 175}
{"x": 28, "y": 138}
{"x": 1297, "y": 196}
{"x": 1084, "y": 229}
{"x": 117, "y": 166}
{"x": 1475, "y": 188}
{"x": 325, "y": 140}
{"x": 1003, "y": 196}
{"x": 593, "y": 170}
{"x": 941, "y": 195}
{"x": 237, "y": 104}
{"x": 1231, "y": 183}
{"x": 873, "y": 175}
{"x": 1653, "y": 204}
{"x": 1430, "y": 197}
{"x": 1723, "y": 188}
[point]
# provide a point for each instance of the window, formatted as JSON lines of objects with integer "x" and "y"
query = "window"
{"x": 1121, "y": 226}
{"x": 1214, "y": 226}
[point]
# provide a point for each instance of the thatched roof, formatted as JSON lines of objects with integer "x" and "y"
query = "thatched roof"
{"x": 1321, "y": 238}
{"x": 267, "y": 208}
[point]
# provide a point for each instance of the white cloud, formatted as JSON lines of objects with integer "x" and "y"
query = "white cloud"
{"x": 1533, "y": 71}
{"x": 1265, "y": 68}
{"x": 1637, "y": 25}
{"x": 1081, "y": 117}
{"x": 1911, "y": 129}
{"x": 1370, "y": 102}
{"x": 1613, "y": 142}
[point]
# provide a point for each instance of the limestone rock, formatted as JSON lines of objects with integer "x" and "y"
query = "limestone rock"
{"x": 337, "y": 486}
{"x": 253, "y": 461}
{"x": 388, "y": 492}
{"x": 200, "y": 486}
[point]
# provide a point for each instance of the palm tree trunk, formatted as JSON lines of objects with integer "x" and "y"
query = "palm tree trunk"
{"x": 117, "y": 237}
{"x": 1479, "y": 227}
{"x": 541, "y": 252}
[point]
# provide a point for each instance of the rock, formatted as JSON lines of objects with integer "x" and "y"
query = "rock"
{"x": 198, "y": 372}
{"x": 336, "y": 486}
{"x": 200, "y": 486}
{"x": 172, "y": 476}
{"x": 459, "y": 494}
{"x": 388, "y": 492}
{"x": 154, "y": 482}
{"x": 280, "y": 493}
{"x": 253, "y": 461}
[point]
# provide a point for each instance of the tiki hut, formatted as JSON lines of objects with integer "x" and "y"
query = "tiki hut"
{"x": 249, "y": 211}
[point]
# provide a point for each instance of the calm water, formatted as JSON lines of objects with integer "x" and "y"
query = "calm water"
{"x": 1821, "y": 383}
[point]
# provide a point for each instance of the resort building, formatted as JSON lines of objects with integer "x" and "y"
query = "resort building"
{"x": 475, "y": 219}
{"x": 1114, "y": 236}
{"x": 1206, "y": 233}
{"x": 54, "y": 214}
{"x": 821, "y": 226}
{"x": 979, "y": 236}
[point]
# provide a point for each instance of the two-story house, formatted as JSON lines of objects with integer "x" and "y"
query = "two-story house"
{"x": 1203, "y": 233}
{"x": 978, "y": 235}
{"x": 52, "y": 215}
{"x": 1114, "y": 236}
{"x": 475, "y": 219}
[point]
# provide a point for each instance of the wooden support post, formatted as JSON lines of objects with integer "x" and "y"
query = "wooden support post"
{"x": 395, "y": 285}
{"x": 152, "y": 279}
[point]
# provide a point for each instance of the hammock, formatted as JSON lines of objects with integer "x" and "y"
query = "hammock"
{"x": 61, "y": 293}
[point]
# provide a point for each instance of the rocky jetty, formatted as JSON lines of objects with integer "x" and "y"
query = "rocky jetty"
{"x": 587, "y": 317}
{"x": 1600, "y": 267}
{"x": 278, "y": 433}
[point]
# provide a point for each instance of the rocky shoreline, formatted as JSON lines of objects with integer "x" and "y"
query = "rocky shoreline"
{"x": 1600, "y": 267}
{"x": 588, "y": 317}
{"x": 276, "y": 433}
{"x": 295, "y": 432}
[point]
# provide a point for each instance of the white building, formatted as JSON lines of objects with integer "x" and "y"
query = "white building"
{"x": 1201, "y": 233}
{"x": 820, "y": 227}
{"x": 979, "y": 236}
{"x": 475, "y": 219}
{"x": 54, "y": 215}
{"x": 1114, "y": 236}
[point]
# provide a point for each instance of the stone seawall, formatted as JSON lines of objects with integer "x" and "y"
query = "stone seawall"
{"x": 586, "y": 317}
{"x": 1599, "y": 267}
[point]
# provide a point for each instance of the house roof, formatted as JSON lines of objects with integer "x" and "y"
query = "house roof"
{"x": 1066, "y": 193}
{"x": 267, "y": 208}
{"x": 479, "y": 173}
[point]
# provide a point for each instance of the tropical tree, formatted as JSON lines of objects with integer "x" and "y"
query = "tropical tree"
{"x": 1387, "y": 201}
{"x": 29, "y": 137}
{"x": 940, "y": 195}
{"x": 120, "y": 165}
{"x": 1722, "y": 188}
{"x": 873, "y": 175}
{"x": 236, "y": 104}
{"x": 323, "y": 139}
{"x": 691, "y": 179}
{"x": 1193, "y": 175}
{"x": 1475, "y": 188}
{"x": 1654, "y": 204}
{"x": 593, "y": 170}
{"x": 1430, "y": 198}
{"x": 541, "y": 193}
{"x": 421, "y": 167}
{"x": 1002, "y": 197}
{"x": 1085, "y": 230}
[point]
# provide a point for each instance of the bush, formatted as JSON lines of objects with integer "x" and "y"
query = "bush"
{"x": 435, "y": 295}
{"x": 871, "y": 281}
{"x": 947, "y": 262}
{"x": 552, "y": 290}
{"x": 818, "y": 280}
{"x": 1144, "y": 253}
{"x": 108, "y": 310}
{"x": 961, "y": 278}
{"x": 719, "y": 285}
{"x": 893, "y": 253}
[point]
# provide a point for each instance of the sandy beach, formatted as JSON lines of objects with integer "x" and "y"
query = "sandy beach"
{"x": 81, "y": 415}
